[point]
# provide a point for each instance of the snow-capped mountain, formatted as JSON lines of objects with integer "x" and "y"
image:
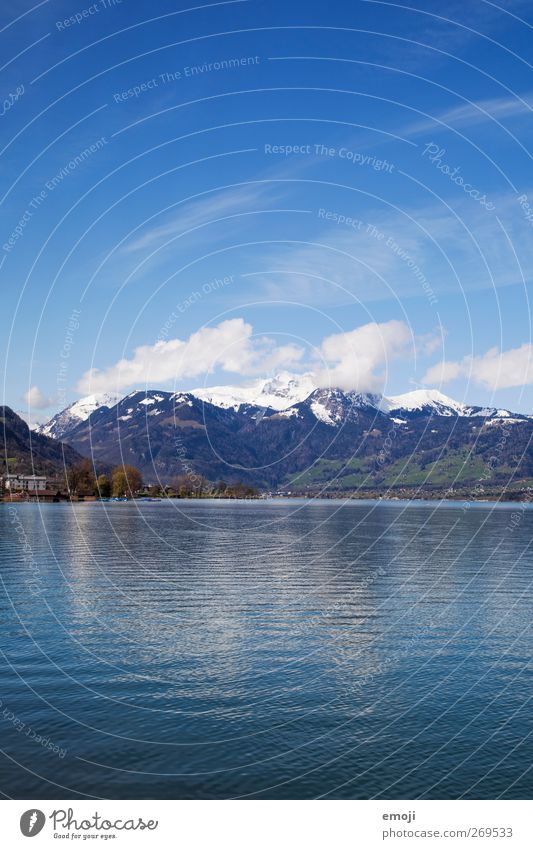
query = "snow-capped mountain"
{"x": 283, "y": 395}
{"x": 170, "y": 434}
{"x": 64, "y": 421}
{"x": 278, "y": 393}
{"x": 334, "y": 407}
{"x": 432, "y": 402}
{"x": 423, "y": 400}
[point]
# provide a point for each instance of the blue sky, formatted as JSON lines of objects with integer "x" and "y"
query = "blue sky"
{"x": 204, "y": 195}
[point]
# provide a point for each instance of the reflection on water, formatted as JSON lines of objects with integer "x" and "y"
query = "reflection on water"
{"x": 282, "y": 649}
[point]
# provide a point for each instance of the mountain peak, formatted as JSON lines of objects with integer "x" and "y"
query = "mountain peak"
{"x": 424, "y": 399}
{"x": 282, "y": 393}
{"x": 332, "y": 406}
{"x": 277, "y": 393}
{"x": 77, "y": 412}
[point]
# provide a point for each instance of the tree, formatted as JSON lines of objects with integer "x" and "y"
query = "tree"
{"x": 103, "y": 487}
{"x": 200, "y": 485}
{"x": 241, "y": 490}
{"x": 81, "y": 479}
{"x": 125, "y": 480}
{"x": 182, "y": 486}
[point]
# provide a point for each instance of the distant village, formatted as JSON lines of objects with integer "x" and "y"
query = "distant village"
{"x": 124, "y": 482}
{"x": 21, "y": 487}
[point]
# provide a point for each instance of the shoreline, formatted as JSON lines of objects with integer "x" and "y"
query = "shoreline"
{"x": 464, "y": 503}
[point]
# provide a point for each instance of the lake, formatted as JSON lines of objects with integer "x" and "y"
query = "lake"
{"x": 266, "y": 649}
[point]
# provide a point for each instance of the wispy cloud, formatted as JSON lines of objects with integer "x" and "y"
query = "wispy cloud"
{"x": 473, "y": 113}
{"x": 209, "y": 208}
{"x": 449, "y": 30}
{"x": 425, "y": 251}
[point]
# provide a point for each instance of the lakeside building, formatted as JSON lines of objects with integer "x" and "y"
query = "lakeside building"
{"x": 24, "y": 483}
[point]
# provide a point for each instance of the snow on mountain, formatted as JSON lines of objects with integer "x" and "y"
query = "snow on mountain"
{"x": 365, "y": 400}
{"x": 321, "y": 412}
{"x": 334, "y": 407}
{"x": 278, "y": 393}
{"x": 492, "y": 413}
{"x": 282, "y": 394}
{"x": 505, "y": 420}
{"x": 424, "y": 399}
{"x": 75, "y": 413}
{"x": 149, "y": 400}
{"x": 431, "y": 401}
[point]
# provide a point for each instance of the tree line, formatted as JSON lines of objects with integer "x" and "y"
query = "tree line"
{"x": 125, "y": 481}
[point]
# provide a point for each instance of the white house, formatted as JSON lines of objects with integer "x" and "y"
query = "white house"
{"x": 25, "y": 483}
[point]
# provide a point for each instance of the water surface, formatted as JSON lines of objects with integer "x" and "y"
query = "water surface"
{"x": 272, "y": 649}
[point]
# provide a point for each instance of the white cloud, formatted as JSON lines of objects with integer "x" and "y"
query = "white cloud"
{"x": 355, "y": 359}
{"x": 495, "y": 369}
{"x": 352, "y": 360}
{"x": 428, "y": 343}
{"x": 36, "y": 399}
{"x": 230, "y": 346}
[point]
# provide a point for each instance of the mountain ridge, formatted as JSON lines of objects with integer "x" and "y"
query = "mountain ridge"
{"x": 279, "y": 393}
{"x": 27, "y": 452}
{"x": 346, "y": 439}
{"x": 76, "y": 412}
